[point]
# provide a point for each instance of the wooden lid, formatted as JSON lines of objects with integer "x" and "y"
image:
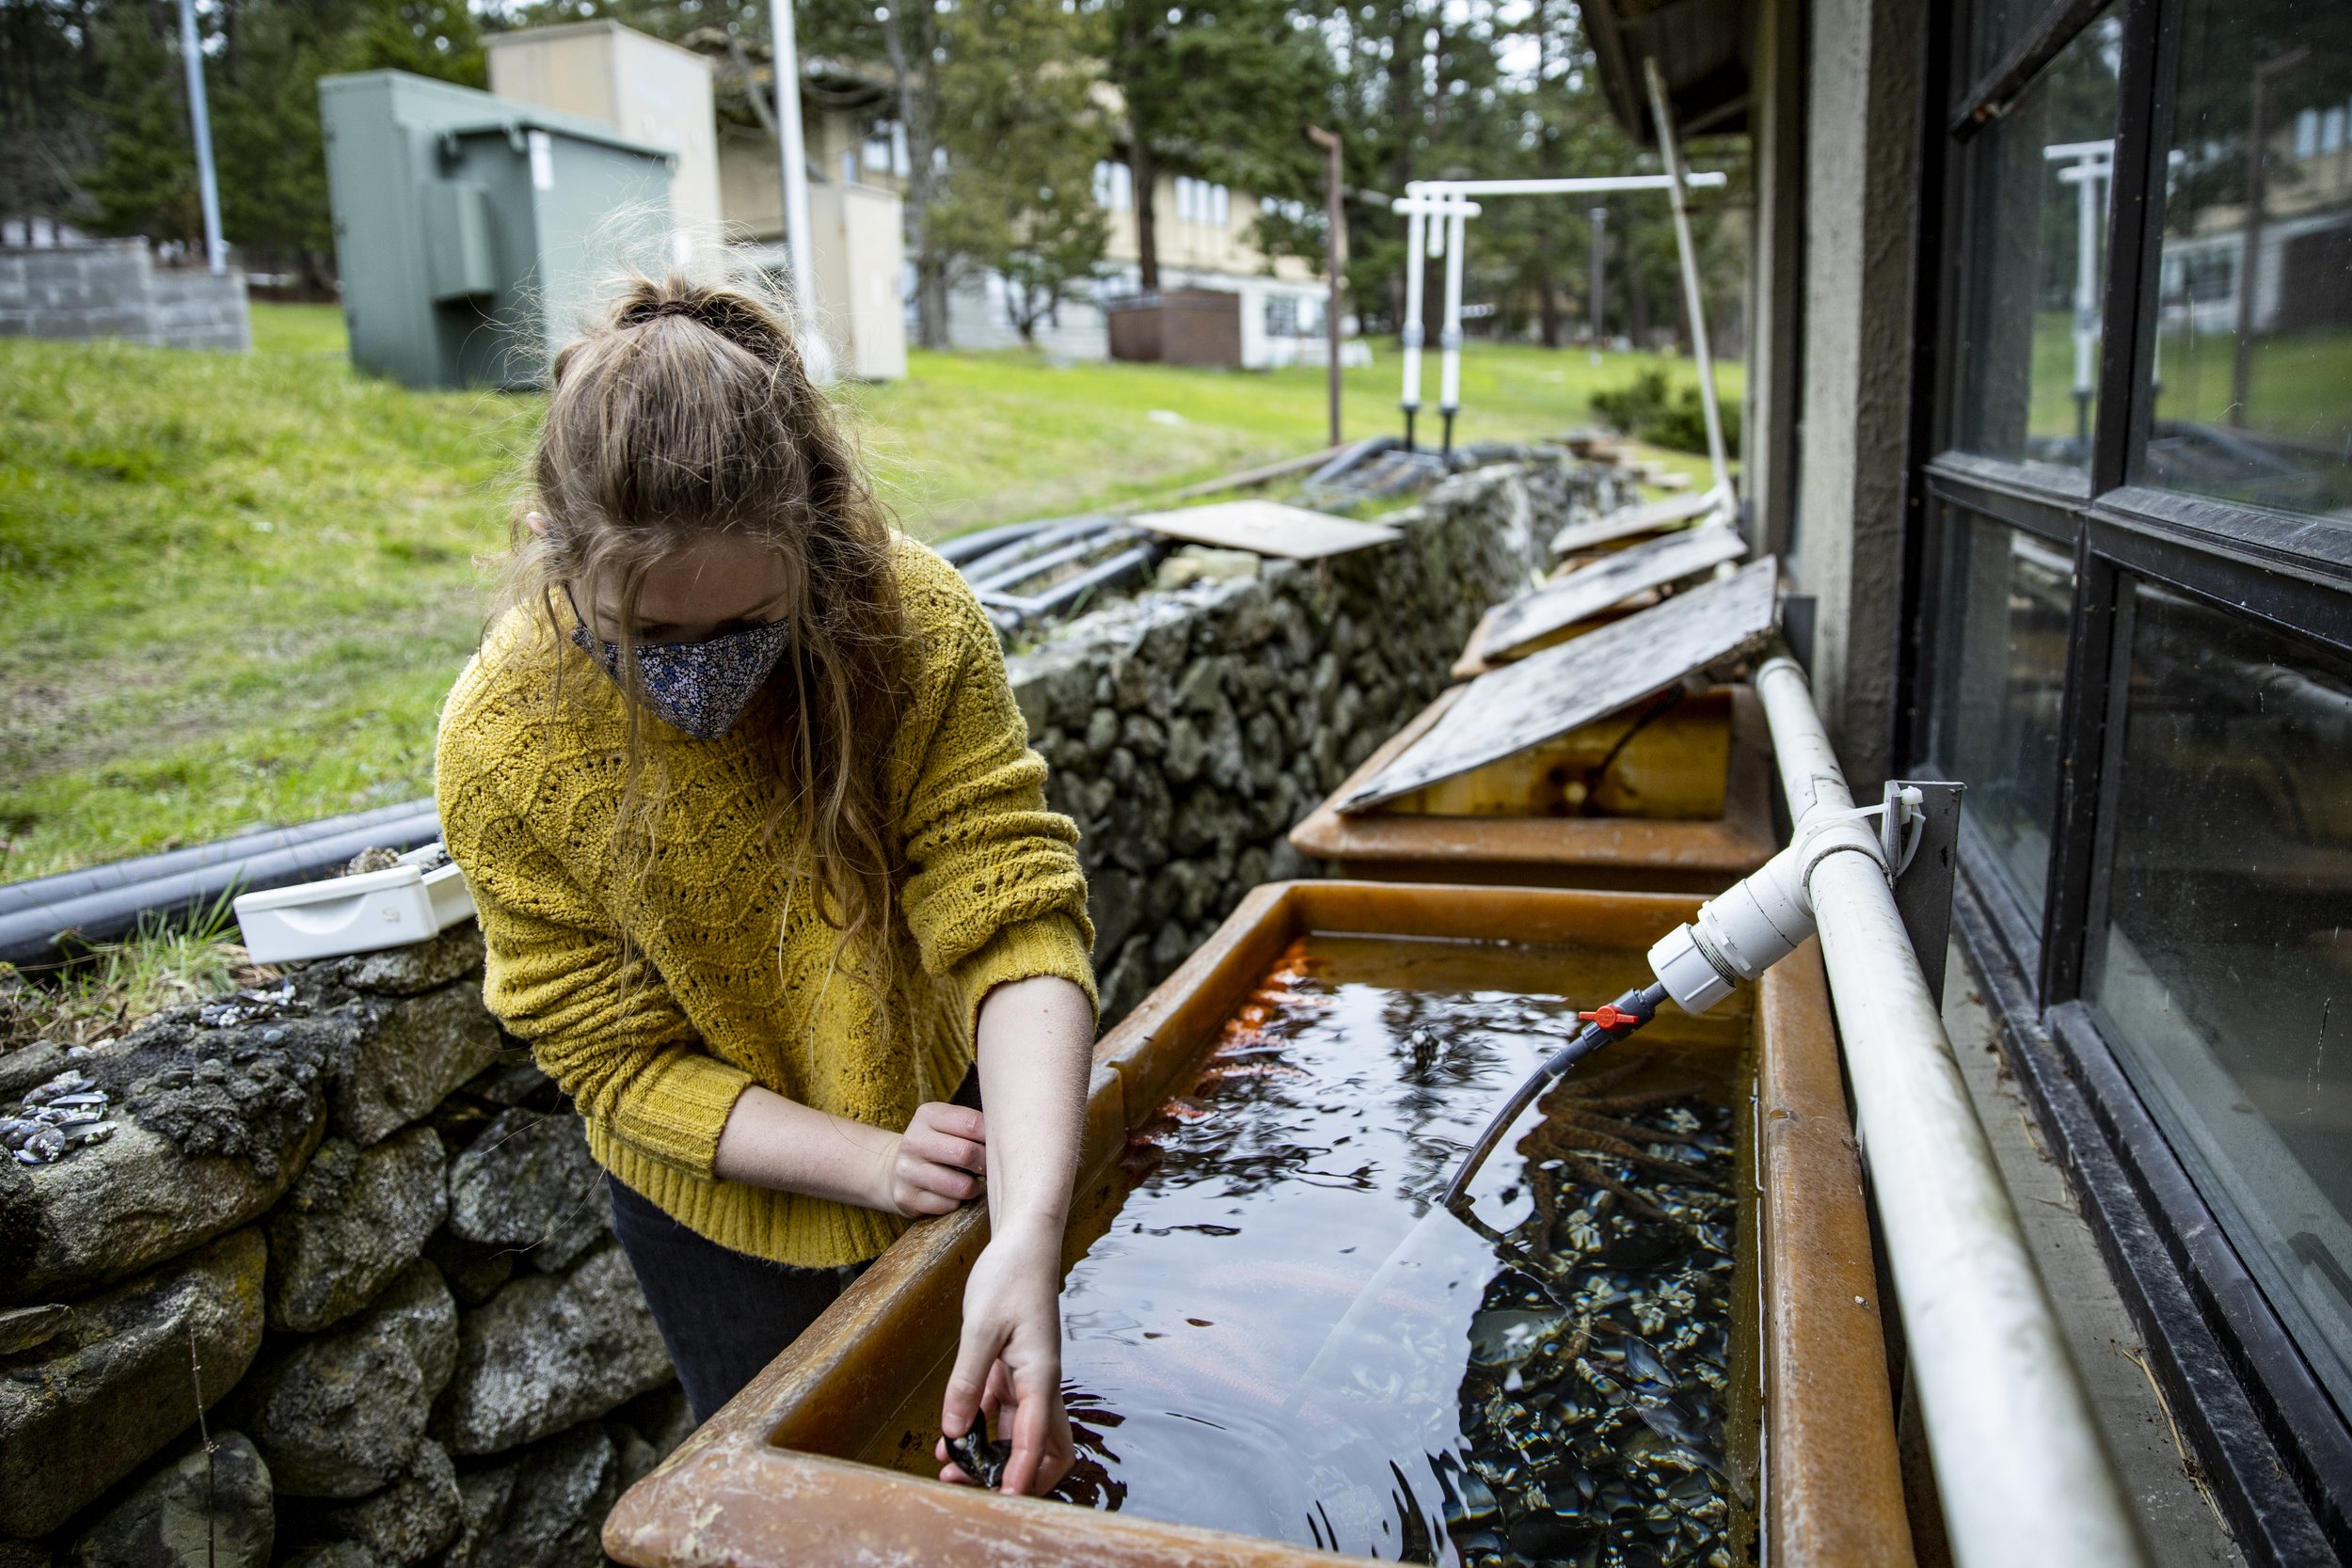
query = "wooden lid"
{"x": 1589, "y": 590}
{"x": 1553, "y": 691}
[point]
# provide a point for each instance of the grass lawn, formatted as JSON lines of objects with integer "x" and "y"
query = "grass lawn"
{"x": 235, "y": 588}
{"x": 2298, "y": 386}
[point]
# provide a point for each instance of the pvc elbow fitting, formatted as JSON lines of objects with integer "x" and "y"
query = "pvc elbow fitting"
{"x": 1739, "y": 934}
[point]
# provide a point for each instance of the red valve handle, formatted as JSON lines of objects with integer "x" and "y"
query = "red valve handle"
{"x": 1609, "y": 1015}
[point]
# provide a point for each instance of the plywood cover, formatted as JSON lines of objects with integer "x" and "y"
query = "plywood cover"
{"x": 1553, "y": 691}
{"x": 1590, "y": 589}
{"x": 1629, "y": 521}
{"x": 1268, "y": 527}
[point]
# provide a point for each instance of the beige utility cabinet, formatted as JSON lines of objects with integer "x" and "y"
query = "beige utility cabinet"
{"x": 860, "y": 258}
{"x": 646, "y": 90}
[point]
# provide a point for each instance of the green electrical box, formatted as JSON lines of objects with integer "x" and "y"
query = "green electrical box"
{"x": 473, "y": 230}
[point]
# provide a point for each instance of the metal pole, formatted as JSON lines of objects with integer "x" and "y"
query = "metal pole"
{"x": 798, "y": 230}
{"x": 1450, "y": 339}
{"x": 1416, "y": 236}
{"x": 1600, "y": 228}
{"x": 1330, "y": 145}
{"x": 2020, "y": 1466}
{"x": 1691, "y": 295}
{"x": 207, "y": 185}
{"x": 2250, "y": 242}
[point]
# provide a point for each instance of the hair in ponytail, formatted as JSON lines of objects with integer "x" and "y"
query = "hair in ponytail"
{"x": 687, "y": 410}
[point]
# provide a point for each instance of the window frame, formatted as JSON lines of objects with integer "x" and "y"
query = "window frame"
{"x": 2266, "y": 1432}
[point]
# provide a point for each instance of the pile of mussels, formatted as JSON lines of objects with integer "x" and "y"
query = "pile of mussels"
{"x": 67, "y": 1113}
{"x": 1597, "y": 1394}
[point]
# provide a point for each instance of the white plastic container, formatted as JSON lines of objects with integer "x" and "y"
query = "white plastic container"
{"x": 421, "y": 896}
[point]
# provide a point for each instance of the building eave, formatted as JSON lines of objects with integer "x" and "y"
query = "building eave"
{"x": 1702, "y": 47}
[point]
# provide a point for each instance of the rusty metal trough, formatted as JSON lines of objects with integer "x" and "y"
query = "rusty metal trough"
{"x": 798, "y": 1469}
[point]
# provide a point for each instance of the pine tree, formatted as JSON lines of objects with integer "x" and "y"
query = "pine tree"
{"x": 1022, "y": 133}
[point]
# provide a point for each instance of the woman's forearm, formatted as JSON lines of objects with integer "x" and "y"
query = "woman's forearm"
{"x": 773, "y": 1142}
{"x": 1036, "y": 1040}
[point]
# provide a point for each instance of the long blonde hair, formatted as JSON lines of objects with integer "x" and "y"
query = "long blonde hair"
{"x": 687, "y": 409}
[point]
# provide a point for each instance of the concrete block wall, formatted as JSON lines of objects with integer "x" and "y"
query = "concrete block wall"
{"x": 113, "y": 289}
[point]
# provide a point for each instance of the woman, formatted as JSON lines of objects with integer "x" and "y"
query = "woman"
{"x": 763, "y": 865}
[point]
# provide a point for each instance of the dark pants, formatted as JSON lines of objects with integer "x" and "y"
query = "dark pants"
{"x": 724, "y": 1314}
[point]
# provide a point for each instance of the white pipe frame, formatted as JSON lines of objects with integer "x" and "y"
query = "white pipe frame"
{"x": 2088, "y": 162}
{"x": 2020, "y": 1466}
{"x": 1434, "y": 211}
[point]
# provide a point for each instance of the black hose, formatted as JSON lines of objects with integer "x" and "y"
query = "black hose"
{"x": 980, "y": 541}
{"x": 1634, "y": 1009}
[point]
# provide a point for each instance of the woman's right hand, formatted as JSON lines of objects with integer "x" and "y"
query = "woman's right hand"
{"x": 938, "y": 1163}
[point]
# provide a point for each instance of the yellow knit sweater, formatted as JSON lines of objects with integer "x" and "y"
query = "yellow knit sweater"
{"x": 744, "y": 989}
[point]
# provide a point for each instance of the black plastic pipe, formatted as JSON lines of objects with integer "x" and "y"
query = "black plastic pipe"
{"x": 979, "y": 542}
{"x": 1608, "y": 1025}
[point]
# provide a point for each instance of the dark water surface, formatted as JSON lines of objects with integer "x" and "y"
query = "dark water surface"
{"x": 1557, "y": 1391}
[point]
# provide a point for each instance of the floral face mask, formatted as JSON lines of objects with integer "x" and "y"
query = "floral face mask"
{"x": 699, "y": 688}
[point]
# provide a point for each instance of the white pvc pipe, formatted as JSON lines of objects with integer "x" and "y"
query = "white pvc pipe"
{"x": 2021, "y": 1469}
{"x": 2086, "y": 177}
{"x": 1693, "y": 296}
{"x": 1450, "y": 340}
{"x": 1415, "y": 254}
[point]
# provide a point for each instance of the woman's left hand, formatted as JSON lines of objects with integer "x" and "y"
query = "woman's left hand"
{"x": 1010, "y": 1357}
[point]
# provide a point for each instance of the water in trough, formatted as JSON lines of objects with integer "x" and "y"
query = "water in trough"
{"x": 1560, "y": 1389}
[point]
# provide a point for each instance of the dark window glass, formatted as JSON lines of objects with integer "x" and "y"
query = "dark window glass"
{"x": 2222, "y": 956}
{"x": 2254, "y": 363}
{"x": 1999, "y": 26}
{"x": 1999, "y": 672}
{"x": 2037, "y": 183}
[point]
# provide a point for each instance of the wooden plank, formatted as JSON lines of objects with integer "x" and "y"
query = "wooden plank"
{"x": 1592, "y": 589}
{"x": 1649, "y": 517}
{"x": 1553, "y": 691}
{"x": 1267, "y": 527}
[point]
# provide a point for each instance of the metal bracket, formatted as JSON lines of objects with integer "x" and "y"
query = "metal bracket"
{"x": 1926, "y": 815}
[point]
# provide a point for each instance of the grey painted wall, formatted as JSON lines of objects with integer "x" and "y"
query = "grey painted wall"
{"x": 1861, "y": 183}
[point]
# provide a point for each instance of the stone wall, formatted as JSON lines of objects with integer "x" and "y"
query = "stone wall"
{"x": 351, "y": 1213}
{"x": 113, "y": 289}
{"x": 1188, "y": 731}
{"x": 347, "y": 1216}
